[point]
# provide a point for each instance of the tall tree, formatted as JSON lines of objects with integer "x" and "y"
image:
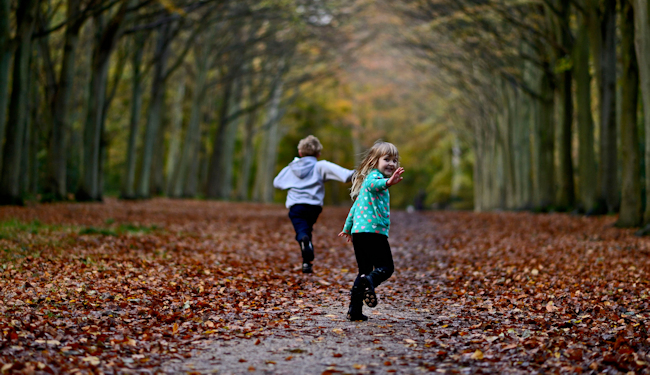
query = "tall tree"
{"x": 216, "y": 160}
{"x": 6, "y": 49}
{"x": 642, "y": 44}
{"x": 55, "y": 181}
{"x": 128, "y": 184}
{"x": 631, "y": 206}
{"x": 586, "y": 154}
{"x": 154, "y": 117}
{"x": 608, "y": 165}
{"x": 13, "y": 150}
{"x": 191, "y": 144}
{"x": 106, "y": 36}
{"x": 566, "y": 189}
{"x": 175, "y": 133}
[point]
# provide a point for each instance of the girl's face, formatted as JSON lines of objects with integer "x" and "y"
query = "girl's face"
{"x": 387, "y": 165}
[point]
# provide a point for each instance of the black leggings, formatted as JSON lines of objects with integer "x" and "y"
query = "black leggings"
{"x": 374, "y": 257}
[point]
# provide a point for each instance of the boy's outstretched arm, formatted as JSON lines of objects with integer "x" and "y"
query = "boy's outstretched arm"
{"x": 281, "y": 181}
{"x": 330, "y": 171}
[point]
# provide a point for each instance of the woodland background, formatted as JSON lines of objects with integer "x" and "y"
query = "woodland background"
{"x": 507, "y": 104}
{"x": 494, "y": 105}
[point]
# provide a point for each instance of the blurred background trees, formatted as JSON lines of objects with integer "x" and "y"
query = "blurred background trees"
{"x": 494, "y": 104}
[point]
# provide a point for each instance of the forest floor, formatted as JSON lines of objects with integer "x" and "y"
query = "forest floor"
{"x": 174, "y": 286}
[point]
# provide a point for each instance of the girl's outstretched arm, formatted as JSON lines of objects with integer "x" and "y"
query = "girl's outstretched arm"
{"x": 396, "y": 177}
{"x": 348, "y": 236}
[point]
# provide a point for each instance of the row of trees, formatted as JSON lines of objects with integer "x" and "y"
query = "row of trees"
{"x": 548, "y": 95}
{"x": 192, "y": 82}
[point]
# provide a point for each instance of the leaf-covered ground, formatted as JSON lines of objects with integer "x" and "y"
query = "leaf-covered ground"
{"x": 193, "y": 286}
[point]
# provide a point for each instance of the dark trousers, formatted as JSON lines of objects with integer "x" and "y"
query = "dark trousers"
{"x": 374, "y": 257}
{"x": 303, "y": 217}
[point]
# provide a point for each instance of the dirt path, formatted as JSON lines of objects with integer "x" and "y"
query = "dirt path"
{"x": 324, "y": 342}
{"x": 214, "y": 287}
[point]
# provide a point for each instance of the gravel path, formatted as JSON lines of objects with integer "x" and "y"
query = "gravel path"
{"x": 325, "y": 342}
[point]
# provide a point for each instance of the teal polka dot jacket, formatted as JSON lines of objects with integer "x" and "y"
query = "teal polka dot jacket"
{"x": 370, "y": 212}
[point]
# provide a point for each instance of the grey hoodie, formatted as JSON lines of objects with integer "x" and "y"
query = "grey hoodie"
{"x": 305, "y": 178}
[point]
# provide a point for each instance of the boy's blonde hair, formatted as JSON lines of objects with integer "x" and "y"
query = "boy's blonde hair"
{"x": 310, "y": 146}
{"x": 371, "y": 161}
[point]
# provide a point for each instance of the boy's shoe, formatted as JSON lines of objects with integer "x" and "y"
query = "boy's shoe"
{"x": 307, "y": 249}
{"x": 369, "y": 296}
{"x": 307, "y": 268}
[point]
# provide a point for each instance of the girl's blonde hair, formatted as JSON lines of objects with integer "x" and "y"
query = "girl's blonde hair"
{"x": 369, "y": 162}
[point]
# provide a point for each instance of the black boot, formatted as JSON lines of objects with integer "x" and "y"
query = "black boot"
{"x": 355, "y": 312}
{"x": 369, "y": 296}
{"x": 307, "y": 250}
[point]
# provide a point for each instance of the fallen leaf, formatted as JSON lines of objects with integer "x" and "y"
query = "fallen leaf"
{"x": 477, "y": 354}
{"x": 91, "y": 359}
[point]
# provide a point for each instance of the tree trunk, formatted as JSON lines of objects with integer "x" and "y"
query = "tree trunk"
{"x": 488, "y": 167}
{"x": 6, "y": 50}
{"x": 29, "y": 146}
{"x": 128, "y": 186}
{"x": 586, "y": 154}
{"x": 248, "y": 149}
{"x": 154, "y": 117}
{"x": 566, "y": 188}
{"x": 187, "y": 171}
{"x": 259, "y": 167}
{"x": 525, "y": 121}
{"x": 106, "y": 38}
{"x": 607, "y": 168}
{"x": 631, "y": 201}
{"x": 227, "y": 157}
{"x": 31, "y": 181}
{"x": 55, "y": 180}
{"x": 204, "y": 164}
{"x": 546, "y": 162}
{"x": 12, "y": 152}
{"x": 516, "y": 106}
{"x": 158, "y": 163}
{"x": 175, "y": 134}
{"x": 457, "y": 173}
{"x": 89, "y": 185}
{"x": 479, "y": 204}
{"x": 642, "y": 44}
{"x": 535, "y": 144}
{"x": 273, "y": 138}
{"x": 214, "y": 173}
{"x": 504, "y": 123}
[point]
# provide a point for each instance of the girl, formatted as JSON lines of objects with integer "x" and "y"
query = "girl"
{"x": 368, "y": 223}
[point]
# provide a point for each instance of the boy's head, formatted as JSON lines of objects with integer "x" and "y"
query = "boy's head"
{"x": 309, "y": 146}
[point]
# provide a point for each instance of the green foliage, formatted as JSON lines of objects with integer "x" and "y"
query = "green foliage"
{"x": 123, "y": 228}
{"x": 100, "y": 231}
{"x": 563, "y": 64}
{"x": 13, "y": 228}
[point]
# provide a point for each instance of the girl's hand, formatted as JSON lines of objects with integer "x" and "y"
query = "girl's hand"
{"x": 348, "y": 236}
{"x": 396, "y": 177}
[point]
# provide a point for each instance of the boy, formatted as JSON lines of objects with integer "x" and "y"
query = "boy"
{"x": 305, "y": 178}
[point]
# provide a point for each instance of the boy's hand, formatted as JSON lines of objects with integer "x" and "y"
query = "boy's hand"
{"x": 396, "y": 177}
{"x": 348, "y": 236}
